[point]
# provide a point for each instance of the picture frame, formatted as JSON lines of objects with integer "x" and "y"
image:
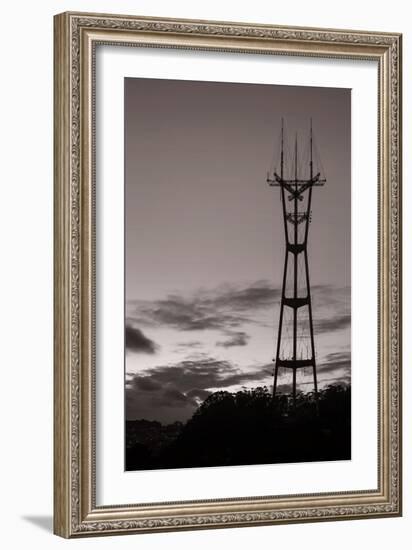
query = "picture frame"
{"x": 77, "y": 512}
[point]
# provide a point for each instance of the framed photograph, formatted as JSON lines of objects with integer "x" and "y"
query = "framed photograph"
{"x": 227, "y": 274}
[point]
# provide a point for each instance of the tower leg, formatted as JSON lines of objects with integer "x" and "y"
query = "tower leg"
{"x": 315, "y": 380}
{"x": 294, "y": 388}
{"x": 285, "y": 270}
{"x": 312, "y": 339}
{"x": 275, "y": 382}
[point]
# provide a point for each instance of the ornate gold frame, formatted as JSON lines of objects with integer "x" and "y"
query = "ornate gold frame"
{"x": 75, "y": 510}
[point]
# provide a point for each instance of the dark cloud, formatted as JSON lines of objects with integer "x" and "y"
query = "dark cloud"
{"x": 137, "y": 342}
{"x": 260, "y": 294}
{"x": 173, "y": 395}
{"x": 332, "y": 324}
{"x": 223, "y": 308}
{"x": 198, "y": 394}
{"x": 202, "y": 373}
{"x": 227, "y": 308}
{"x": 172, "y": 392}
{"x": 331, "y": 306}
{"x": 194, "y": 344}
{"x": 146, "y": 383}
{"x": 336, "y": 368}
{"x": 334, "y": 362}
{"x": 181, "y": 313}
{"x": 163, "y": 404}
{"x": 340, "y": 380}
{"x": 331, "y": 296}
{"x": 235, "y": 339}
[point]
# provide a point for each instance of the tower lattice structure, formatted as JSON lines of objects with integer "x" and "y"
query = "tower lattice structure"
{"x": 295, "y": 347}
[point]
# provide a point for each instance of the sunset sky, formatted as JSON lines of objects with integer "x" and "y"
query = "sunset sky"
{"x": 205, "y": 243}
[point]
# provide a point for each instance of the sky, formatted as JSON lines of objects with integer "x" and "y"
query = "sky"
{"x": 204, "y": 238}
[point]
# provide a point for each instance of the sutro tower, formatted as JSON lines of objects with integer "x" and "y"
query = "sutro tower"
{"x": 295, "y": 347}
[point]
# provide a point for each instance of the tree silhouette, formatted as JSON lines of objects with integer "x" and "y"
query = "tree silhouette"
{"x": 249, "y": 427}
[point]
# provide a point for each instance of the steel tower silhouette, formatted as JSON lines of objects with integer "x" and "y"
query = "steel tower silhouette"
{"x": 298, "y": 350}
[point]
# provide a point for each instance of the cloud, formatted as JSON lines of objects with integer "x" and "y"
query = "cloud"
{"x": 222, "y": 308}
{"x": 236, "y": 339}
{"x": 137, "y": 342}
{"x": 228, "y": 307}
{"x": 173, "y": 392}
{"x": 193, "y": 344}
{"x": 331, "y": 296}
{"x": 164, "y": 404}
{"x": 202, "y": 373}
{"x": 331, "y": 308}
{"x": 180, "y": 313}
{"x": 261, "y": 294}
{"x": 145, "y": 383}
{"x": 198, "y": 394}
{"x": 335, "y": 368}
{"x": 335, "y": 363}
{"x": 332, "y": 324}
{"x": 173, "y": 395}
